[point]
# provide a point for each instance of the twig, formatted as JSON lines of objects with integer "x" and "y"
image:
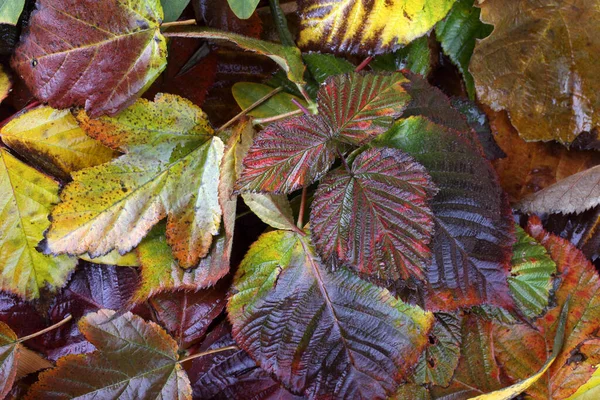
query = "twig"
{"x": 178, "y": 23}
{"x": 263, "y": 121}
{"x": 344, "y": 163}
{"x": 205, "y": 353}
{"x": 363, "y": 64}
{"x": 300, "y": 221}
{"x": 300, "y": 106}
{"x": 48, "y": 329}
{"x": 251, "y": 107}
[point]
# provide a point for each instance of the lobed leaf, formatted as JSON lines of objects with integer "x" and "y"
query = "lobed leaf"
{"x": 53, "y": 140}
{"x": 375, "y": 217}
{"x": 540, "y": 65}
{"x": 170, "y": 168}
{"x": 307, "y": 325}
{"x": 473, "y": 225}
{"x": 366, "y": 27}
{"x": 26, "y": 197}
{"x": 67, "y": 58}
{"x": 134, "y": 359}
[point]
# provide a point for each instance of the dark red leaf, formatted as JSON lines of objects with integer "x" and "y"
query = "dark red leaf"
{"x": 376, "y": 218}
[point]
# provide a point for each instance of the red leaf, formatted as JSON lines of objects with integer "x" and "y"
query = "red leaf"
{"x": 376, "y": 218}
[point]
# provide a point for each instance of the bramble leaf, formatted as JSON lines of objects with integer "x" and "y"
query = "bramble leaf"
{"x": 26, "y": 197}
{"x": 473, "y": 238}
{"x": 539, "y": 65}
{"x": 375, "y": 217}
{"x": 307, "y": 325}
{"x": 367, "y": 27}
{"x": 53, "y": 140}
{"x": 134, "y": 359}
{"x": 322, "y": 66}
{"x": 68, "y": 57}
{"x": 171, "y": 168}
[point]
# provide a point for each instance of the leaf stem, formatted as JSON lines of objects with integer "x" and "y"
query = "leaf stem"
{"x": 344, "y": 162}
{"x": 178, "y": 23}
{"x": 250, "y": 108}
{"x": 205, "y": 353}
{"x": 363, "y": 64}
{"x": 263, "y": 121}
{"x": 300, "y": 106}
{"x": 300, "y": 221}
{"x": 48, "y": 329}
{"x": 281, "y": 24}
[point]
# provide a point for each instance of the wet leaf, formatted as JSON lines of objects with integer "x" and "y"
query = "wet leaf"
{"x": 26, "y": 197}
{"x": 375, "y": 217}
{"x": 521, "y": 349}
{"x": 581, "y": 230}
{"x": 272, "y": 209}
{"x": 134, "y": 359}
{"x": 458, "y": 33}
{"x": 439, "y": 360}
{"x": 306, "y": 325}
{"x": 53, "y": 140}
{"x": 538, "y": 64}
{"x": 415, "y": 57}
{"x": 232, "y": 374}
{"x": 468, "y": 267}
{"x": 186, "y": 314}
{"x": 10, "y": 11}
{"x": 170, "y": 168}
{"x": 243, "y": 9}
{"x": 574, "y": 194}
{"x": 247, "y": 93}
{"x": 367, "y": 27}
{"x": 530, "y": 167}
{"x": 68, "y": 56}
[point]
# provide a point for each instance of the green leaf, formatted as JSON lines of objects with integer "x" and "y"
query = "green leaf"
{"x": 458, "y": 34}
{"x": 171, "y": 168}
{"x": 272, "y": 209}
{"x": 133, "y": 359}
{"x": 247, "y": 93}
{"x": 173, "y": 9}
{"x": 53, "y": 140}
{"x": 329, "y": 334}
{"x": 68, "y": 56}
{"x": 367, "y": 27}
{"x": 287, "y": 57}
{"x": 10, "y": 11}
{"x": 530, "y": 279}
{"x": 415, "y": 57}
{"x": 323, "y": 66}
{"x": 243, "y": 9}
{"x": 26, "y": 197}
{"x": 375, "y": 217}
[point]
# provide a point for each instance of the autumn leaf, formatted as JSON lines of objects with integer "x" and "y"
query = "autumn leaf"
{"x": 467, "y": 267}
{"x": 366, "y": 27}
{"x": 68, "y": 57}
{"x": 530, "y": 167}
{"x": 53, "y": 140}
{"x": 134, "y": 359}
{"x": 521, "y": 349}
{"x": 375, "y": 217}
{"x": 580, "y": 229}
{"x": 317, "y": 343}
{"x": 26, "y": 197}
{"x": 538, "y": 65}
{"x": 574, "y": 194}
{"x": 170, "y": 168}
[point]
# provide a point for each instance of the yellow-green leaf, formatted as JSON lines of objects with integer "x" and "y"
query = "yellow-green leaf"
{"x": 53, "y": 140}
{"x": 170, "y": 169}
{"x": 590, "y": 390}
{"x": 26, "y": 197}
{"x": 246, "y": 93}
{"x": 114, "y": 258}
{"x": 5, "y": 83}
{"x": 10, "y": 11}
{"x": 367, "y": 26}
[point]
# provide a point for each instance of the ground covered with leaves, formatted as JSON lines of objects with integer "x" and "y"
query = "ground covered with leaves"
{"x": 341, "y": 199}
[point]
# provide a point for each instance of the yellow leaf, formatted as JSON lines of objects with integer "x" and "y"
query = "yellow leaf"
{"x": 367, "y": 26}
{"x": 590, "y": 390}
{"x": 53, "y": 140}
{"x": 114, "y": 258}
{"x": 5, "y": 84}
{"x": 26, "y": 196}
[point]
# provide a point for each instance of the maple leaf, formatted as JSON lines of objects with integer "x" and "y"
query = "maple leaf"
{"x": 26, "y": 197}
{"x": 375, "y": 217}
{"x": 319, "y": 343}
{"x": 67, "y": 57}
{"x": 473, "y": 225}
{"x": 170, "y": 168}
{"x": 537, "y": 65}
{"x": 366, "y": 27}
{"x": 53, "y": 140}
{"x": 134, "y": 359}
